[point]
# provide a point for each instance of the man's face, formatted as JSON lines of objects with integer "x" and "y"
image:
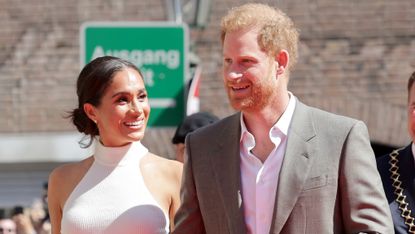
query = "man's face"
{"x": 249, "y": 73}
{"x": 411, "y": 112}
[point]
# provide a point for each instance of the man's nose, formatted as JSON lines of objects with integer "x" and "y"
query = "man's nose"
{"x": 234, "y": 75}
{"x": 234, "y": 72}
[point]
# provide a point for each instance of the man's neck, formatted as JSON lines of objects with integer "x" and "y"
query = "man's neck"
{"x": 259, "y": 123}
{"x": 258, "y": 120}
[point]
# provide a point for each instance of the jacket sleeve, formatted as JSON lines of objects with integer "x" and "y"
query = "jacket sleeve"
{"x": 364, "y": 205}
{"x": 188, "y": 219}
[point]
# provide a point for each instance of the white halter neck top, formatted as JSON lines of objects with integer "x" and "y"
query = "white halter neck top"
{"x": 112, "y": 198}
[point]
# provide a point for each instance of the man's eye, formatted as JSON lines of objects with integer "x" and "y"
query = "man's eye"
{"x": 246, "y": 61}
{"x": 227, "y": 61}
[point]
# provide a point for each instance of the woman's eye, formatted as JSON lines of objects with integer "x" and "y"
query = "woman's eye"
{"x": 122, "y": 100}
{"x": 142, "y": 96}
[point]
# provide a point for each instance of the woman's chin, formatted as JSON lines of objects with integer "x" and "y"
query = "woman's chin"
{"x": 136, "y": 136}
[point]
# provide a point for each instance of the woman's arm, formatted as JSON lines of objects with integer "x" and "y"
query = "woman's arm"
{"x": 54, "y": 200}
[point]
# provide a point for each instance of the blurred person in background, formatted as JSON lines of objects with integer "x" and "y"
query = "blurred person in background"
{"x": 397, "y": 170}
{"x": 122, "y": 187}
{"x": 190, "y": 124}
{"x": 33, "y": 219}
{"x": 43, "y": 226}
{"x": 7, "y": 226}
{"x": 23, "y": 220}
{"x": 39, "y": 217}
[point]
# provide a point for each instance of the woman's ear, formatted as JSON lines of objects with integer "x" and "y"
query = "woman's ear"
{"x": 90, "y": 111}
{"x": 283, "y": 59}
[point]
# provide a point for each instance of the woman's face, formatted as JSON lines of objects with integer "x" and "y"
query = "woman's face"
{"x": 124, "y": 110}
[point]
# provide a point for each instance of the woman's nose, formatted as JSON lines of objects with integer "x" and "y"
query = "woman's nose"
{"x": 136, "y": 107}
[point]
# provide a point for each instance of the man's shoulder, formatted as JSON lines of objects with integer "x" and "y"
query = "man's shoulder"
{"x": 402, "y": 152}
{"x": 227, "y": 122}
{"x": 326, "y": 117}
{"x": 383, "y": 166}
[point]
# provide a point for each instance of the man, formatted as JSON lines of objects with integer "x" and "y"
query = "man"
{"x": 190, "y": 124}
{"x": 397, "y": 170}
{"x": 277, "y": 166}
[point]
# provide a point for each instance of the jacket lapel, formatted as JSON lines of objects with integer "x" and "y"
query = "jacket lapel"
{"x": 406, "y": 164}
{"x": 225, "y": 161}
{"x": 295, "y": 167}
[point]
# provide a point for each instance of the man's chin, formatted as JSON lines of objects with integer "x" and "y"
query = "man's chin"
{"x": 236, "y": 105}
{"x": 243, "y": 107}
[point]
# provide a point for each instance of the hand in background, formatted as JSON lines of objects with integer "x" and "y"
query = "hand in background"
{"x": 23, "y": 224}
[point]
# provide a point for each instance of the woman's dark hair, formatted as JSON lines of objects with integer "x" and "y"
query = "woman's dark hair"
{"x": 91, "y": 85}
{"x": 411, "y": 82}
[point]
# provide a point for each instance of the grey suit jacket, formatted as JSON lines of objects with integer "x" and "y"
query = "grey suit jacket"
{"x": 328, "y": 182}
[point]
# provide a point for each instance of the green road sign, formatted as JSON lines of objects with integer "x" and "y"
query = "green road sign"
{"x": 158, "y": 49}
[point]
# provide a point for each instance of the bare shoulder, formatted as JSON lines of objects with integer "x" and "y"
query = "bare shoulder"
{"x": 166, "y": 168}
{"x": 71, "y": 170}
{"x": 63, "y": 179}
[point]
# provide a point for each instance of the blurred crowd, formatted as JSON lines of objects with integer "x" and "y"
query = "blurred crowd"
{"x": 27, "y": 220}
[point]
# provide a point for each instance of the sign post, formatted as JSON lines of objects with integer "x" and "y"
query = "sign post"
{"x": 158, "y": 49}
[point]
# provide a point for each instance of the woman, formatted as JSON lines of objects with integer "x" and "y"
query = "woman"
{"x": 122, "y": 188}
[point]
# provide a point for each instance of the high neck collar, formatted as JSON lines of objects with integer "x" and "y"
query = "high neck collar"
{"x": 119, "y": 156}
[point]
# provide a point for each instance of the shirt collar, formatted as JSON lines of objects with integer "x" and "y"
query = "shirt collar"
{"x": 283, "y": 122}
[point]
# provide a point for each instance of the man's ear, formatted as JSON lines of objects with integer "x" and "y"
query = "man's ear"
{"x": 90, "y": 111}
{"x": 283, "y": 59}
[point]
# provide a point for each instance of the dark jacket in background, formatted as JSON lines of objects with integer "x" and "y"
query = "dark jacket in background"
{"x": 406, "y": 170}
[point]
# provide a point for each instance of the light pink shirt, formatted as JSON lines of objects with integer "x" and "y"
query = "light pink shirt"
{"x": 260, "y": 180}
